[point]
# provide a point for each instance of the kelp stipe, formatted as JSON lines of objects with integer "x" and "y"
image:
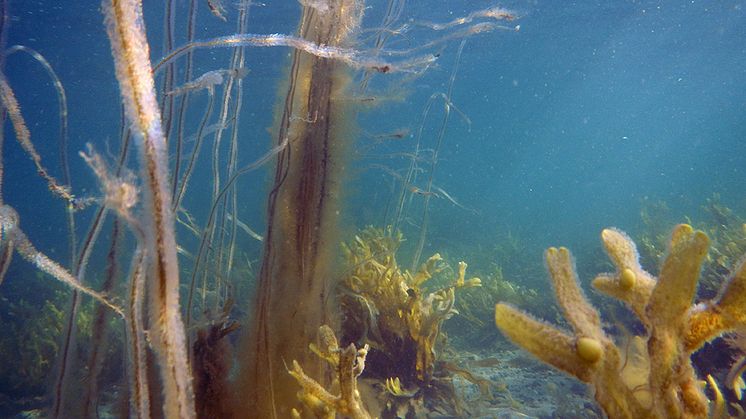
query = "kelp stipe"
{"x": 351, "y": 57}
{"x": 167, "y": 102}
{"x": 303, "y": 217}
{"x": 129, "y": 46}
{"x": 304, "y": 210}
{"x": 16, "y": 238}
{"x": 183, "y": 103}
{"x": 62, "y": 103}
{"x": 212, "y": 244}
{"x": 139, "y": 391}
{"x": 209, "y": 227}
{"x": 237, "y": 65}
{"x": 77, "y": 263}
{"x": 121, "y": 195}
{"x": 61, "y": 406}
{"x": 11, "y": 234}
{"x": 178, "y": 192}
{"x": 101, "y": 336}
{"x": 23, "y": 136}
{"x": 428, "y": 190}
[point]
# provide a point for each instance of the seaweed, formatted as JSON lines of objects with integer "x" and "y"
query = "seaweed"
{"x": 400, "y": 317}
{"x": 181, "y": 368}
{"x": 473, "y": 327}
{"x": 723, "y": 226}
{"x": 347, "y": 364}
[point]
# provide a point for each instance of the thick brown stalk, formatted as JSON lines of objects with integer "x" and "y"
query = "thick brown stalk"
{"x": 130, "y": 49}
{"x": 294, "y": 295}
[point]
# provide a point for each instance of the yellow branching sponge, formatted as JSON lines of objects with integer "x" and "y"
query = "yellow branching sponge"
{"x": 654, "y": 377}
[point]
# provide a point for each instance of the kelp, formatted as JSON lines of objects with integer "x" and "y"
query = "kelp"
{"x": 303, "y": 216}
{"x": 132, "y": 62}
{"x": 182, "y": 370}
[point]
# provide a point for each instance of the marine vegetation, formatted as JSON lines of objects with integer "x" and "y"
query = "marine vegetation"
{"x": 725, "y": 228}
{"x": 30, "y": 340}
{"x": 162, "y": 307}
{"x": 650, "y": 375}
{"x": 348, "y": 364}
{"x": 399, "y": 317}
{"x": 476, "y": 308}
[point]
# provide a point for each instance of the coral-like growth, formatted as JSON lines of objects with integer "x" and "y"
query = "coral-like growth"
{"x": 394, "y": 312}
{"x": 654, "y": 377}
{"x": 348, "y": 363}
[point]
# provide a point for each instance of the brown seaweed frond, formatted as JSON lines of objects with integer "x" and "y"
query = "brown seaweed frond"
{"x": 400, "y": 314}
{"x": 348, "y": 364}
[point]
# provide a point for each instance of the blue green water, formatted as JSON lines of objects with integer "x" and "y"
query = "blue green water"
{"x": 574, "y": 119}
{"x": 556, "y": 130}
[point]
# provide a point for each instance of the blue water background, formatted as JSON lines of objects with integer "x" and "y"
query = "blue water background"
{"x": 575, "y": 119}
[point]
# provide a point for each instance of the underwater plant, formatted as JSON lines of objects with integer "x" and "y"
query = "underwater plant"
{"x": 474, "y": 324}
{"x": 347, "y": 364}
{"x": 179, "y": 359}
{"x": 723, "y": 225}
{"x": 150, "y": 329}
{"x": 649, "y": 376}
{"x": 302, "y": 213}
{"x": 399, "y": 316}
{"x": 30, "y": 340}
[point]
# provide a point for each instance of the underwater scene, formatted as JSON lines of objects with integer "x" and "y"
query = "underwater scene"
{"x": 372, "y": 209}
